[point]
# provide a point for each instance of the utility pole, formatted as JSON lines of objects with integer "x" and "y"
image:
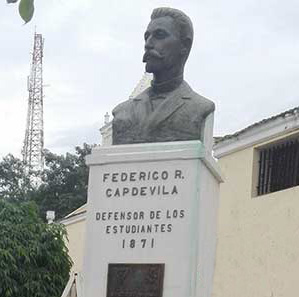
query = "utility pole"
{"x": 34, "y": 135}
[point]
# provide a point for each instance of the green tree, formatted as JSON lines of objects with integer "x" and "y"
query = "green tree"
{"x": 65, "y": 180}
{"x": 33, "y": 257}
{"x": 63, "y": 187}
{"x": 14, "y": 183}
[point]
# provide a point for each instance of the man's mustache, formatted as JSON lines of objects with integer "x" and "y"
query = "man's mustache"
{"x": 152, "y": 54}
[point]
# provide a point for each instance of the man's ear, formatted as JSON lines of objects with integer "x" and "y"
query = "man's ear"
{"x": 186, "y": 46}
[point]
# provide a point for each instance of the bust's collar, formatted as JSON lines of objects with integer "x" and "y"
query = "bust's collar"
{"x": 183, "y": 91}
{"x": 167, "y": 86}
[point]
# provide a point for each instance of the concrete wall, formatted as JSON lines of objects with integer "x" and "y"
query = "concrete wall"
{"x": 258, "y": 237}
{"x": 76, "y": 242}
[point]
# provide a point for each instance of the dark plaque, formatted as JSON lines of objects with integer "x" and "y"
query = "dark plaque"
{"x": 135, "y": 280}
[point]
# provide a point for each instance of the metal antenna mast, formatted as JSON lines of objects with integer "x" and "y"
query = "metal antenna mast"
{"x": 34, "y": 135}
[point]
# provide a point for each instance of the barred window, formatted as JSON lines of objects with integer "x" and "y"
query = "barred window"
{"x": 278, "y": 167}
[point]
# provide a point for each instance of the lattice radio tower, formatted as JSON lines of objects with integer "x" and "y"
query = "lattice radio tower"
{"x": 34, "y": 134}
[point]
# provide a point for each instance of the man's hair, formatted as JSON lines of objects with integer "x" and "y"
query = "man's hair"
{"x": 181, "y": 19}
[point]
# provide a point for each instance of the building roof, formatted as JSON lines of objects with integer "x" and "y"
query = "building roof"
{"x": 258, "y": 133}
{"x": 76, "y": 215}
{"x": 290, "y": 112}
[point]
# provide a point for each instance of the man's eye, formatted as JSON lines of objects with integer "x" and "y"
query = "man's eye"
{"x": 160, "y": 34}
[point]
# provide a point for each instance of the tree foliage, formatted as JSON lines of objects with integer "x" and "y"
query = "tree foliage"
{"x": 26, "y": 9}
{"x": 63, "y": 187}
{"x": 33, "y": 256}
{"x": 14, "y": 184}
{"x": 65, "y": 180}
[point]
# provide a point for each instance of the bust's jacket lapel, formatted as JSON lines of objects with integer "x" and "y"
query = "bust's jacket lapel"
{"x": 173, "y": 102}
{"x": 142, "y": 107}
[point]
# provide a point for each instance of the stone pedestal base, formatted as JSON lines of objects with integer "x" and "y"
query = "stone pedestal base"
{"x": 152, "y": 217}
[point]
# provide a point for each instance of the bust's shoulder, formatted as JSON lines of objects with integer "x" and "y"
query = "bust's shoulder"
{"x": 198, "y": 101}
{"x": 125, "y": 105}
{"x": 128, "y": 104}
{"x": 143, "y": 95}
{"x": 203, "y": 101}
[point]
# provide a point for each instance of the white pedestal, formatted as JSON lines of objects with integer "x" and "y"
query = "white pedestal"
{"x": 152, "y": 203}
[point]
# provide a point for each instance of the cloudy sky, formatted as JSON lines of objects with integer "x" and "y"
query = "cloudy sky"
{"x": 245, "y": 58}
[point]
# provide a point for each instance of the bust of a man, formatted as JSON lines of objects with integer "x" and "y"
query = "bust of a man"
{"x": 169, "y": 110}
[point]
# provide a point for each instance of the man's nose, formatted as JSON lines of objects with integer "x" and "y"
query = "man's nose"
{"x": 149, "y": 43}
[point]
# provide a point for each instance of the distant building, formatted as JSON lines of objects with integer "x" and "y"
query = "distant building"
{"x": 143, "y": 84}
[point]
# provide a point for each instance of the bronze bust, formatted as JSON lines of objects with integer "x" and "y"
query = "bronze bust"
{"x": 169, "y": 110}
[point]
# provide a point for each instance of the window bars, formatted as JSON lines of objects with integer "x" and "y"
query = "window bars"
{"x": 278, "y": 167}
